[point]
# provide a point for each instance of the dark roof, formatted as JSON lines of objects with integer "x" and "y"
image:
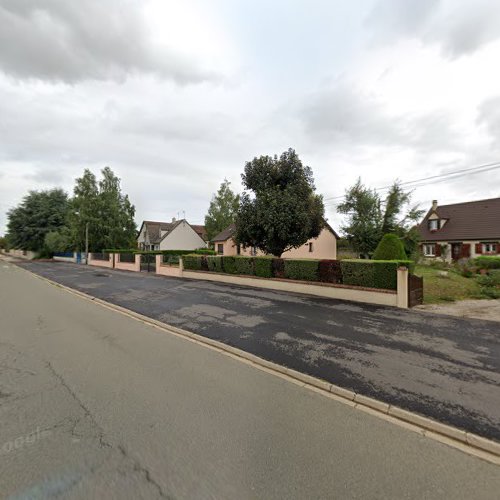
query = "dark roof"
{"x": 155, "y": 228}
{"x": 200, "y": 230}
{"x": 226, "y": 234}
{"x": 473, "y": 220}
{"x": 229, "y": 231}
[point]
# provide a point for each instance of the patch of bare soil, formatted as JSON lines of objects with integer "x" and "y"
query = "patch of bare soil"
{"x": 479, "y": 309}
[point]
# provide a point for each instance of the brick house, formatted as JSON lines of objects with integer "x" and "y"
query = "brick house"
{"x": 462, "y": 230}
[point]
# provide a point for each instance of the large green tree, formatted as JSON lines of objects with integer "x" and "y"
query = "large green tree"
{"x": 364, "y": 218}
{"x": 105, "y": 209}
{"x": 282, "y": 211}
{"x": 369, "y": 217}
{"x": 39, "y": 213}
{"x": 222, "y": 210}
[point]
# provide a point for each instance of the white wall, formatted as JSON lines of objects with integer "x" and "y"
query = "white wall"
{"x": 182, "y": 237}
{"x": 447, "y": 255}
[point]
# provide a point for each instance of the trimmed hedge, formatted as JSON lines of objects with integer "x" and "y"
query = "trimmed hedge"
{"x": 380, "y": 274}
{"x": 244, "y": 265}
{"x": 214, "y": 263}
{"x": 373, "y": 273}
{"x": 487, "y": 262}
{"x": 278, "y": 268}
{"x": 229, "y": 264}
{"x": 303, "y": 269}
{"x": 263, "y": 267}
{"x": 357, "y": 272}
{"x": 120, "y": 250}
{"x": 329, "y": 271}
{"x": 192, "y": 262}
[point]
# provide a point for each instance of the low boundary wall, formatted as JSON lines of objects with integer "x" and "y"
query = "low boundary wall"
{"x": 128, "y": 266}
{"x": 166, "y": 270}
{"x": 397, "y": 298}
{"x": 22, "y": 254}
{"x": 101, "y": 263}
{"x": 367, "y": 295}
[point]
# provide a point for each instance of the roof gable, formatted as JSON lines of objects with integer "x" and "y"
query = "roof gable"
{"x": 177, "y": 224}
{"x": 473, "y": 220}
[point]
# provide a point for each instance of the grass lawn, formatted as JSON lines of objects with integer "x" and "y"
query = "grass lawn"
{"x": 440, "y": 289}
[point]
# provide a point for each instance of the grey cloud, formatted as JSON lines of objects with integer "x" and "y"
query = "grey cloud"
{"x": 390, "y": 18}
{"x": 458, "y": 26}
{"x": 47, "y": 175}
{"x": 489, "y": 116}
{"x": 60, "y": 40}
{"x": 344, "y": 116}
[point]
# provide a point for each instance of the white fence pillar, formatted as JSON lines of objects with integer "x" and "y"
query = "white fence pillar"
{"x": 403, "y": 287}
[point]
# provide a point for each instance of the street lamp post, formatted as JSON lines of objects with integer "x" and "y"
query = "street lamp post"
{"x": 86, "y": 243}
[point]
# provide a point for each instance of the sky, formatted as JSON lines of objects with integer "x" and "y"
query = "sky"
{"x": 176, "y": 96}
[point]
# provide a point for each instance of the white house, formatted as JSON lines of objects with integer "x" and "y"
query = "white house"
{"x": 175, "y": 235}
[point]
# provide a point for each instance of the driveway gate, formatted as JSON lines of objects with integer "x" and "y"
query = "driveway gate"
{"x": 148, "y": 262}
{"x": 415, "y": 290}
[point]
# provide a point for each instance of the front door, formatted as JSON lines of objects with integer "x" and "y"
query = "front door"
{"x": 456, "y": 251}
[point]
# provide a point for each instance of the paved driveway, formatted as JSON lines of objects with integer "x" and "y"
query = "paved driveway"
{"x": 442, "y": 367}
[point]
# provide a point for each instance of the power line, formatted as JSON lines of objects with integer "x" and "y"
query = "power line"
{"x": 434, "y": 179}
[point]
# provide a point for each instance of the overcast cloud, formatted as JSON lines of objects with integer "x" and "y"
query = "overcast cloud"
{"x": 175, "y": 96}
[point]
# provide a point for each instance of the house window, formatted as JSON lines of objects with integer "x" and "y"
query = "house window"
{"x": 489, "y": 248}
{"x": 220, "y": 248}
{"x": 238, "y": 249}
{"x": 430, "y": 250}
{"x": 434, "y": 224}
{"x": 310, "y": 247}
{"x": 253, "y": 251}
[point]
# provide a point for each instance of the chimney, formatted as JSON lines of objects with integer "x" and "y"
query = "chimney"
{"x": 434, "y": 205}
{"x": 173, "y": 219}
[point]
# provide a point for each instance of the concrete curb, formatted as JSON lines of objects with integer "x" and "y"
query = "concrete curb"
{"x": 463, "y": 440}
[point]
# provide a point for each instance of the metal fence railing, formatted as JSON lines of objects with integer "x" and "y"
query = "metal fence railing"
{"x": 63, "y": 254}
{"x": 127, "y": 257}
{"x": 100, "y": 256}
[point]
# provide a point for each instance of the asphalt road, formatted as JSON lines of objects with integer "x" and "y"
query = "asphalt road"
{"x": 442, "y": 367}
{"x": 94, "y": 404}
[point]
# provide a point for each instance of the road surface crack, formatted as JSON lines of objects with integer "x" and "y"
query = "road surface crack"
{"x": 138, "y": 467}
{"x": 102, "y": 442}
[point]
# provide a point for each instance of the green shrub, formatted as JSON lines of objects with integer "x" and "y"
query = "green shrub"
{"x": 278, "y": 267}
{"x": 204, "y": 251}
{"x": 385, "y": 274}
{"x": 329, "y": 271}
{"x": 301, "y": 269}
{"x": 357, "y": 272}
{"x": 244, "y": 265}
{"x": 495, "y": 276}
{"x": 372, "y": 273}
{"x": 263, "y": 267}
{"x": 487, "y": 262}
{"x": 192, "y": 262}
{"x": 491, "y": 293}
{"x": 214, "y": 263}
{"x": 390, "y": 247}
{"x": 229, "y": 264}
{"x": 120, "y": 250}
